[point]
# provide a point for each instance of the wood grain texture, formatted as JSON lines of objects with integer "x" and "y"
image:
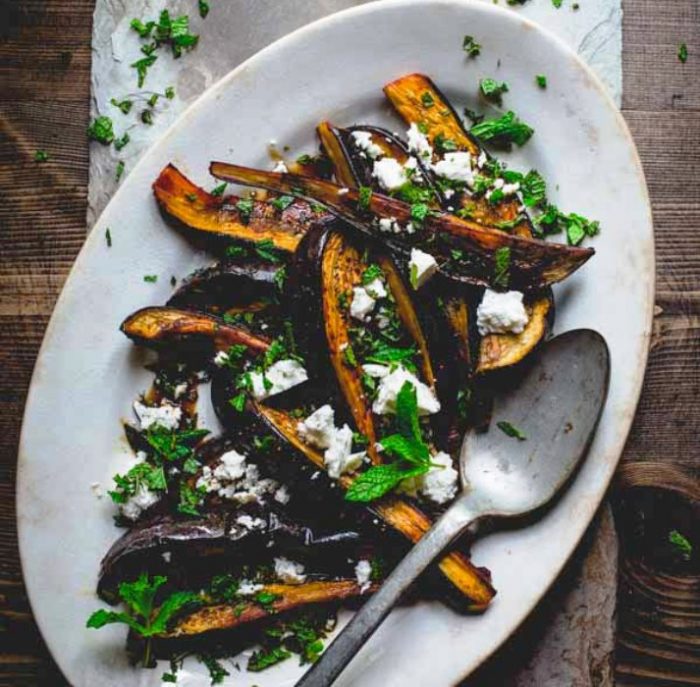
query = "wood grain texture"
{"x": 44, "y": 100}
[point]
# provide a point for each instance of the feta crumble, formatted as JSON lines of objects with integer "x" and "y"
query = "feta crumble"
{"x": 363, "y": 571}
{"x": 142, "y": 500}
{"x": 501, "y": 313}
{"x": 376, "y": 289}
{"x": 439, "y": 484}
{"x": 280, "y": 376}
{"x": 166, "y": 415}
{"x": 319, "y": 430}
{"x": 234, "y": 479}
{"x": 282, "y": 495}
{"x": 390, "y": 385}
{"x": 97, "y": 490}
{"x": 389, "y": 224}
{"x": 251, "y": 523}
{"x": 221, "y": 359}
{"x": 422, "y": 266}
{"x": 362, "y": 303}
{"x": 418, "y": 142}
{"x": 456, "y": 167}
{"x": 289, "y": 571}
{"x": 280, "y": 167}
{"x": 389, "y": 173}
{"x": 363, "y": 140}
{"x": 248, "y": 588}
{"x": 179, "y": 390}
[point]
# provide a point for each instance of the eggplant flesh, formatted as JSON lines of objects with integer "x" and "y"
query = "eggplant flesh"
{"x": 163, "y": 326}
{"x": 465, "y": 251}
{"x": 224, "y": 219}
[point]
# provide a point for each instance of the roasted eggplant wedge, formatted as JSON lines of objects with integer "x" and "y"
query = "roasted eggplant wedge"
{"x": 465, "y": 250}
{"x": 286, "y": 597}
{"x": 441, "y": 309}
{"x": 471, "y": 584}
{"x": 439, "y": 120}
{"x": 230, "y": 218}
{"x": 161, "y": 326}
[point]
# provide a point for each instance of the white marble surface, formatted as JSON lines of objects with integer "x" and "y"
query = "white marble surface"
{"x": 236, "y": 29}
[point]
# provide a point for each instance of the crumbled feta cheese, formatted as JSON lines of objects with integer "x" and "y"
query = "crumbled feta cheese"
{"x": 221, "y": 358}
{"x": 248, "y": 588}
{"x": 282, "y": 495}
{"x": 501, "y": 313}
{"x": 510, "y": 189}
{"x": 235, "y": 480}
{"x": 363, "y": 571}
{"x": 439, "y": 484}
{"x": 413, "y": 170}
{"x": 319, "y": 430}
{"x": 448, "y": 193}
{"x": 179, "y": 390}
{"x": 363, "y": 140}
{"x": 167, "y": 556}
{"x": 97, "y": 490}
{"x": 376, "y": 289}
{"x": 456, "y": 167}
{"x": 289, "y": 571}
{"x": 338, "y": 458}
{"x": 343, "y": 191}
{"x": 422, "y": 266}
{"x": 362, "y": 303}
{"x": 143, "y": 499}
{"x": 251, "y": 523}
{"x": 482, "y": 159}
{"x": 280, "y": 376}
{"x": 389, "y": 224}
{"x": 390, "y": 385}
{"x": 389, "y": 173}
{"x": 166, "y": 415}
{"x": 418, "y": 142}
{"x": 280, "y": 167}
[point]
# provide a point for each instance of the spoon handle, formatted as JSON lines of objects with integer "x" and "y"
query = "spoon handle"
{"x": 346, "y": 645}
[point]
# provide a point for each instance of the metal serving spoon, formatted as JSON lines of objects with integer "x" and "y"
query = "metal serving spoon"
{"x": 556, "y": 404}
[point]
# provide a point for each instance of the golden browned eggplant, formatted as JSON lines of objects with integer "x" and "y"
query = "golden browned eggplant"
{"x": 465, "y": 250}
{"x": 229, "y": 218}
{"x": 157, "y": 326}
{"x": 439, "y": 119}
{"x": 471, "y": 583}
{"x": 286, "y": 597}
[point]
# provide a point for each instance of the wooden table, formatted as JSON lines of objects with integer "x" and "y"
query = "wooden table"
{"x": 44, "y": 99}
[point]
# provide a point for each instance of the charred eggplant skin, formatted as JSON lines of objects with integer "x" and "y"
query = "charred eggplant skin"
{"x": 241, "y": 284}
{"x": 533, "y": 263}
{"x": 223, "y": 219}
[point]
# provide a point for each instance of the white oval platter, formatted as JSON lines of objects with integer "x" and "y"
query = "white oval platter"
{"x": 87, "y": 373}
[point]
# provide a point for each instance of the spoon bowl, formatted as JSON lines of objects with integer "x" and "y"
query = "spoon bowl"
{"x": 555, "y": 405}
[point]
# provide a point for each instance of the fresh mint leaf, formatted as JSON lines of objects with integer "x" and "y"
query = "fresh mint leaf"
{"x": 282, "y": 203}
{"x": 427, "y": 99}
{"x": 101, "y": 130}
{"x": 203, "y": 8}
{"x": 124, "y": 105}
{"x": 501, "y": 271}
{"x": 470, "y": 46}
{"x": 379, "y": 480}
{"x": 119, "y": 143}
{"x": 372, "y": 272}
{"x": 41, "y": 156}
{"x": 142, "y": 66}
{"x": 264, "y": 658}
{"x": 365, "y": 197}
{"x": 119, "y": 170}
{"x": 143, "y": 29}
{"x": 245, "y": 208}
{"x": 510, "y": 430}
{"x": 681, "y": 544}
{"x": 219, "y": 190}
{"x": 504, "y": 130}
{"x": 533, "y": 189}
{"x": 541, "y": 80}
{"x": 493, "y": 90}
{"x": 683, "y": 53}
